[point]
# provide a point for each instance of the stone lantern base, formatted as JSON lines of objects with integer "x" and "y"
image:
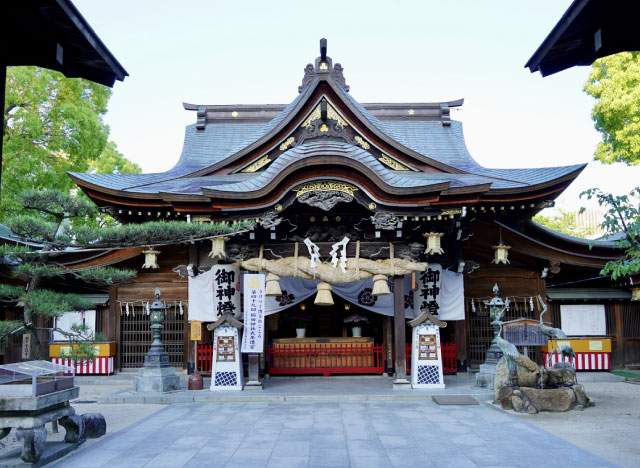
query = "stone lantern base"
{"x": 157, "y": 376}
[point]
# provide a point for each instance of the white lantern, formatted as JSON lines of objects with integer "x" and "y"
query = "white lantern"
{"x": 635, "y": 294}
{"x": 218, "y": 248}
{"x": 502, "y": 253}
{"x": 151, "y": 258}
{"x": 433, "y": 243}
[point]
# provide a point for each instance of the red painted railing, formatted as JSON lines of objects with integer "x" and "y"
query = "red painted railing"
{"x": 204, "y": 355}
{"x": 449, "y": 358}
{"x": 311, "y": 358}
{"x": 346, "y": 359}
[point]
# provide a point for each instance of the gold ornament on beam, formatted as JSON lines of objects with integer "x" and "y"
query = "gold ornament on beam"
{"x": 273, "y": 285}
{"x": 433, "y": 243}
{"x": 380, "y": 286}
{"x": 218, "y": 248}
{"x": 324, "y": 297}
{"x": 151, "y": 258}
{"x": 635, "y": 294}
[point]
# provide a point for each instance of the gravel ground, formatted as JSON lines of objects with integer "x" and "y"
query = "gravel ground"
{"x": 609, "y": 429}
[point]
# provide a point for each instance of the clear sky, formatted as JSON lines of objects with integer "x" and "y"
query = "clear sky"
{"x": 250, "y": 52}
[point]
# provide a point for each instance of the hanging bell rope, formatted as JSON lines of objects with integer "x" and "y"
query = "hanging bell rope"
{"x": 324, "y": 296}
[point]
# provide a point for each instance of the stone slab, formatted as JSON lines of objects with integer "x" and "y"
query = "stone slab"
{"x": 29, "y": 403}
{"x": 455, "y": 400}
{"x": 52, "y": 452}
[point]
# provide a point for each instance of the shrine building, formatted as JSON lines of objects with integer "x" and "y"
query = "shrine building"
{"x": 365, "y": 214}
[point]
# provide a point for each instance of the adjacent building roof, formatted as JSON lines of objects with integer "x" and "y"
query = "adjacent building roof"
{"x": 588, "y": 30}
{"x": 53, "y": 34}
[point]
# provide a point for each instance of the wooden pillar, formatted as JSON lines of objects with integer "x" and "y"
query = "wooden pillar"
{"x": 387, "y": 338}
{"x": 621, "y": 361}
{"x": 399, "y": 326}
{"x": 190, "y": 359}
{"x": 254, "y": 368}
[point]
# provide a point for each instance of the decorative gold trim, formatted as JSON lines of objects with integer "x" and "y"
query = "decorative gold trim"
{"x": 411, "y": 112}
{"x": 287, "y": 143}
{"x": 392, "y": 163}
{"x": 324, "y": 128}
{"x": 278, "y": 207}
{"x": 324, "y": 66}
{"x": 453, "y": 211}
{"x": 362, "y": 142}
{"x": 331, "y": 114}
{"x": 200, "y": 219}
{"x": 257, "y": 165}
{"x": 324, "y": 186}
{"x": 372, "y": 206}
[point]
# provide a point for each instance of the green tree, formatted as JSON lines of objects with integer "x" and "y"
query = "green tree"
{"x": 564, "y": 222}
{"x": 49, "y": 228}
{"x": 615, "y": 84}
{"x": 111, "y": 161}
{"x": 622, "y": 226}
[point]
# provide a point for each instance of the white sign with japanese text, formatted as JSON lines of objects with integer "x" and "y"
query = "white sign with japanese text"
{"x": 226, "y": 290}
{"x": 254, "y": 305}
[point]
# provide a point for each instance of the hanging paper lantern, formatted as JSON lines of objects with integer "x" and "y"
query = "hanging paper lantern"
{"x": 635, "y": 294}
{"x": 273, "y": 285}
{"x": 218, "y": 248}
{"x": 502, "y": 253}
{"x": 151, "y": 258}
{"x": 380, "y": 285}
{"x": 433, "y": 243}
{"x": 324, "y": 297}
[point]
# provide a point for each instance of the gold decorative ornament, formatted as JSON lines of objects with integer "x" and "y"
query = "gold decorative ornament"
{"x": 218, "y": 248}
{"x": 324, "y": 128}
{"x": 433, "y": 243}
{"x": 392, "y": 163}
{"x": 312, "y": 219}
{"x": 201, "y": 219}
{"x": 362, "y": 142}
{"x": 288, "y": 142}
{"x": 331, "y": 114}
{"x": 411, "y": 112}
{"x": 453, "y": 211}
{"x": 372, "y": 206}
{"x": 324, "y": 66}
{"x": 501, "y": 254}
{"x": 324, "y": 186}
{"x": 257, "y": 165}
{"x": 234, "y": 114}
{"x": 278, "y": 207}
{"x": 151, "y": 258}
{"x": 347, "y": 306}
{"x": 635, "y": 294}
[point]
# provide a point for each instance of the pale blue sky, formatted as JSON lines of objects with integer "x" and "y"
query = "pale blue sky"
{"x": 248, "y": 52}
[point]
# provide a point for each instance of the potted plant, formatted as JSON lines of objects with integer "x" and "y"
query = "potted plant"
{"x": 300, "y": 321}
{"x": 356, "y": 321}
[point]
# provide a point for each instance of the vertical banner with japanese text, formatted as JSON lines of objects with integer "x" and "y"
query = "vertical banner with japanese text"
{"x": 254, "y": 304}
{"x": 226, "y": 290}
{"x": 427, "y": 297}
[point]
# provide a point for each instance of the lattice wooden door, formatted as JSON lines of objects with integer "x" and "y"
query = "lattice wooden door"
{"x": 135, "y": 337}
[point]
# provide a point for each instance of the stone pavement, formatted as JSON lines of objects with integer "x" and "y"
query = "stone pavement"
{"x": 339, "y": 434}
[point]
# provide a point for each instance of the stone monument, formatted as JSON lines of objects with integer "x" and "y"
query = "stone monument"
{"x": 226, "y": 368}
{"x": 157, "y": 375}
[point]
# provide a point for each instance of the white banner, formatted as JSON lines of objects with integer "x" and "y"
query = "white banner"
{"x": 226, "y": 290}
{"x": 428, "y": 295}
{"x": 254, "y": 304}
{"x": 452, "y": 291}
{"x": 201, "y": 298}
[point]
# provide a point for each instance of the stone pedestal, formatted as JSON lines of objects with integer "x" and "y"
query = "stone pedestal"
{"x": 487, "y": 374}
{"x": 156, "y": 376}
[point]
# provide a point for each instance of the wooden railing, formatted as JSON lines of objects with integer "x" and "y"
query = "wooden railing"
{"x": 317, "y": 359}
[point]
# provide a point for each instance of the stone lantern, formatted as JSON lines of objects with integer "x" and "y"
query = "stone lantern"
{"x": 157, "y": 375}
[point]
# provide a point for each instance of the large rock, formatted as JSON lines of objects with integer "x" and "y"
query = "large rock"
{"x": 551, "y": 399}
{"x": 528, "y": 374}
{"x": 555, "y": 377}
{"x": 581, "y": 396}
